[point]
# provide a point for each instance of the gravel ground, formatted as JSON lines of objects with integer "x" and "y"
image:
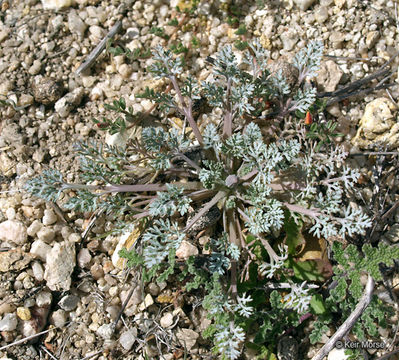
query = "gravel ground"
{"x": 77, "y": 291}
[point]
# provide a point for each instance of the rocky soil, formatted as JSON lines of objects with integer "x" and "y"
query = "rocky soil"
{"x": 72, "y": 290}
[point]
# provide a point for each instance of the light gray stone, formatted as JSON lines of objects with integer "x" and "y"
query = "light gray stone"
{"x": 13, "y": 231}
{"x": 128, "y": 338}
{"x": 59, "y": 266}
{"x": 69, "y": 102}
{"x": 69, "y": 302}
{"x": 49, "y": 217}
{"x": 9, "y": 322}
{"x": 304, "y": 4}
{"x": 187, "y": 338}
{"x": 76, "y": 24}
{"x": 40, "y": 249}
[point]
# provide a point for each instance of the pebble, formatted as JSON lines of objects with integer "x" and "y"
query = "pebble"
{"x": 46, "y": 91}
{"x": 13, "y": 231}
{"x": 97, "y": 271}
{"x": 289, "y": 38}
{"x": 56, "y": 4}
{"x": 70, "y": 101}
{"x": 58, "y": 318}
{"x": 9, "y": 322}
{"x": 38, "y": 271}
{"x": 69, "y": 302}
{"x": 40, "y": 249}
{"x": 84, "y": 257}
{"x": 10, "y": 213}
{"x": 329, "y": 75}
{"x": 49, "y": 217}
{"x": 186, "y": 249}
{"x": 125, "y": 70}
{"x": 14, "y": 260}
{"x": 148, "y": 301}
{"x": 166, "y": 320}
{"x": 24, "y": 313}
{"x": 128, "y": 338}
{"x": 393, "y": 234}
{"x": 187, "y": 338}
{"x": 337, "y": 354}
{"x": 105, "y": 331}
{"x": 59, "y": 266}
{"x": 304, "y": 4}
{"x": 35, "y": 68}
{"x": 44, "y": 298}
{"x": 76, "y": 24}
{"x": 46, "y": 234}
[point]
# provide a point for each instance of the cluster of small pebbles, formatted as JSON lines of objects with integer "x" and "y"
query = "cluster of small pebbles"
{"x": 50, "y": 279}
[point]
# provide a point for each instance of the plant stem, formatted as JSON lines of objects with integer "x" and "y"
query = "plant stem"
{"x": 349, "y": 322}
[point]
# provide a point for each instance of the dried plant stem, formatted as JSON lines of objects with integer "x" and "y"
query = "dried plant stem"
{"x": 349, "y": 322}
{"x": 18, "y": 342}
{"x": 99, "y": 48}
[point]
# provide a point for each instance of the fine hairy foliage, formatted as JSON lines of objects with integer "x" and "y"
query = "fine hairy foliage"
{"x": 252, "y": 189}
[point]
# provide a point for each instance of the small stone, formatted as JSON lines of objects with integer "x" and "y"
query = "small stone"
{"x": 69, "y": 302}
{"x": 287, "y": 348}
{"x": 105, "y": 331}
{"x": 24, "y": 313}
{"x": 69, "y": 102}
{"x": 35, "y": 68}
{"x": 166, "y": 320}
{"x": 59, "y": 266}
{"x": 56, "y": 4}
{"x": 128, "y": 338}
{"x": 14, "y": 260}
{"x": 44, "y": 298}
{"x": 372, "y": 38}
{"x": 9, "y": 322}
{"x": 76, "y": 24}
{"x": 393, "y": 234}
{"x": 154, "y": 289}
{"x": 13, "y": 231}
{"x": 74, "y": 238}
{"x": 321, "y": 14}
{"x": 125, "y": 70}
{"x": 148, "y": 301}
{"x": 10, "y": 213}
{"x": 46, "y": 234}
{"x": 58, "y": 318}
{"x": 46, "y": 91}
{"x": 329, "y": 75}
{"x": 304, "y": 4}
{"x": 187, "y": 338}
{"x": 337, "y": 354}
{"x": 40, "y": 249}
{"x": 84, "y": 257}
{"x": 97, "y": 271}
{"x": 186, "y": 250}
{"x": 38, "y": 271}
{"x": 289, "y": 38}
{"x": 49, "y": 217}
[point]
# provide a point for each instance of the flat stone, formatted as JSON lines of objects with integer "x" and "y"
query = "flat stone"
{"x": 166, "y": 320}
{"x": 187, "y": 338}
{"x": 40, "y": 249}
{"x": 186, "y": 249}
{"x": 105, "y": 331}
{"x": 70, "y": 101}
{"x": 14, "y": 260}
{"x": 329, "y": 75}
{"x": 69, "y": 302}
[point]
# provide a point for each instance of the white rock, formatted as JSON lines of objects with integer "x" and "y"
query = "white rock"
{"x": 49, "y": 217}
{"x": 378, "y": 125}
{"x": 76, "y": 24}
{"x": 329, "y": 75}
{"x": 59, "y": 266}
{"x": 68, "y": 102}
{"x": 166, "y": 320}
{"x": 13, "y": 231}
{"x": 40, "y": 249}
{"x": 9, "y": 322}
{"x": 186, "y": 249}
{"x": 56, "y": 4}
{"x": 128, "y": 338}
{"x": 125, "y": 70}
{"x": 289, "y": 38}
{"x": 44, "y": 298}
{"x": 46, "y": 234}
{"x": 337, "y": 354}
{"x": 10, "y": 213}
{"x": 187, "y": 338}
{"x": 148, "y": 301}
{"x": 84, "y": 257}
{"x": 105, "y": 331}
{"x": 38, "y": 271}
{"x": 304, "y": 4}
{"x": 58, "y": 318}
